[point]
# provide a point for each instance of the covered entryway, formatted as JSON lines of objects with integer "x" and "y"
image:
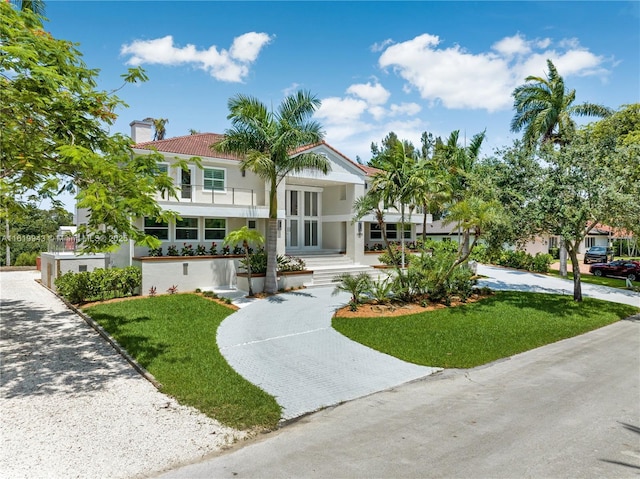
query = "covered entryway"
{"x": 304, "y": 218}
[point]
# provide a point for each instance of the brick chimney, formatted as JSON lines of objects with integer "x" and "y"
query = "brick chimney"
{"x": 141, "y": 131}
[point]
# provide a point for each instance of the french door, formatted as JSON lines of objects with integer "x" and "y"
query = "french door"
{"x": 303, "y": 219}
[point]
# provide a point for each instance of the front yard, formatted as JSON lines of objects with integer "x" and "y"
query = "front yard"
{"x": 174, "y": 338}
{"x": 496, "y": 327}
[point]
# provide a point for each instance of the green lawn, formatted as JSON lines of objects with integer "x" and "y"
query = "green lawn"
{"x": 477, "y": 333}
{"x": 591, "y": 279}
{"x": 174, "y": 338}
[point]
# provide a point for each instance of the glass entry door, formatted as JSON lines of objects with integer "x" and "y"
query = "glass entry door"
{"x": 303, "y": 219}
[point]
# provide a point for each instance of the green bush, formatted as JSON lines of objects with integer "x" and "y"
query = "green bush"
{"x": 555, "y": 253}
{"x": 26, "y": 259}
{"x": 99, "y": 284}
{"x": 541, "y": 263}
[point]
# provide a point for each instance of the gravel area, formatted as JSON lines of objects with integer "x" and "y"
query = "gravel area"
{"x": 73, "y": 407}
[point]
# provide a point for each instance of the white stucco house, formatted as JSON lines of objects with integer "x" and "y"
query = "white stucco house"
{"x": 315, "y": 213}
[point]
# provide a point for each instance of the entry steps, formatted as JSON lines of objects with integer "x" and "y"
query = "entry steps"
{"x": 328, "y": 266}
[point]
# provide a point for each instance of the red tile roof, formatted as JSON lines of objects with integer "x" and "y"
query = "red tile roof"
{"x": 190, "y": 145}
{"x": 200, "y": 143}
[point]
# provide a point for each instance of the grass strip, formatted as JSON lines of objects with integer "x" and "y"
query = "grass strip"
{"x": 174, "y": 338}
{"x": 499, "y": 326}
{"x": 591, "y": 279}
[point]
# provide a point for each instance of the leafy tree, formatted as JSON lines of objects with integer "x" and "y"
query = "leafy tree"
{"x": 544, "y": 109}
{"x": 246, "y": 237}
{"x": 53, "y": 136}
{"x": 268, "y": 142}
{"x": 31, "y": 229}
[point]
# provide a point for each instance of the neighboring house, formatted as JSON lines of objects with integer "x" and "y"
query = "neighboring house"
{"x": 600, "y": 235}
{"x": 315, "y": 211}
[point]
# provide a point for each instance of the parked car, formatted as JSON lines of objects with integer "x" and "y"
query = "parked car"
{"x": 620, "y": 267}
{"x": 598, "y": 254}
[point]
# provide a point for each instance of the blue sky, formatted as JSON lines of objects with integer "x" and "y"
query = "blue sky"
{"x": 377, "y": 66}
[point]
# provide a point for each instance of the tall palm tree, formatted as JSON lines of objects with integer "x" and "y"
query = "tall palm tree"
{"x": 267, "y": 141}
{"x": 246, "y": 237}
{"x": 544, "y": 109}
{"x": 458, "y": 163}
{"x": 392, "y": 182}
{"x": 36, "y": 6}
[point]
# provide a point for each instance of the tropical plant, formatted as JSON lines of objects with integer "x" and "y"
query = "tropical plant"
{"x": 544, "y": 109}
{"x": 35, "y": 6}
{"x": 246, "y": 237}
{"x": 381, "y": 290}
{"x": 269, "y": 143}
{"x": 355, "y": 285}
{"x": 159, "y": 129}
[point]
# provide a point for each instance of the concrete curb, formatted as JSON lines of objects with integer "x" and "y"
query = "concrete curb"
{"x": 107, "y": 337}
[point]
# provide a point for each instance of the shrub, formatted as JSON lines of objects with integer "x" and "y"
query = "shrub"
{"x": 395, "y": 258}
{"x": 172, "y": 250}
{"x": 201, "y": 250}
{"x": 541, "y": 263}
{"x": 213, "y": 250}
{"x": 290, "y": 263}
{"x": 555, "y": 253}
{"x": 155, "y": 251}
{"x": 187, "y": 250}
{"x": 26, "y": 259}
{"x": 99, "y": 284}
{"x": 356, "y": 286}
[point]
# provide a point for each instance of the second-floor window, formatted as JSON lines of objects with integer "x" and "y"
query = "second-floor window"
{"x": 187, "y": 229}
{"x": 213, "y": 179}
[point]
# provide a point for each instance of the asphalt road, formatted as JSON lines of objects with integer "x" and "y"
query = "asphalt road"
{"x": 570, "y": 409}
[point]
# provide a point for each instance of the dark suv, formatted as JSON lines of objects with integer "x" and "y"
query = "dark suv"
{"x": 598, "y": 254}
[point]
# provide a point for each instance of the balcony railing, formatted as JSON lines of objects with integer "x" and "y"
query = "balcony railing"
{"x": 63, "y": 244}
{"x": 221, "y": 196}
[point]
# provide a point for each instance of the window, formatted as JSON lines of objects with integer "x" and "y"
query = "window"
{"x": 407, "y": 231}
{"x": 589, "y": 241}
{"x": 252, "y": 224}
{"x": 375, "y": 233}
{"x": 163, "y": 168}
{"x": 213, "y": 179}
{"x": 187, "y": 229}
{"x": 392, "y": 232}
{"x": 215, "y": 228}
{"x": 160, "y": 230}
{"x": 553, "y": 242}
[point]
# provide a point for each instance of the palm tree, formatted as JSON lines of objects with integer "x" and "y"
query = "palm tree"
{"x": 458, "y": 164}
{"x": 544, "y": 109}
{"x": 268, "y": 141}
{"x": 392, "y": 182}
{"x": 159, "y": 127}
{"x": 35, "y": 6}
{"x": 246, "y": 237}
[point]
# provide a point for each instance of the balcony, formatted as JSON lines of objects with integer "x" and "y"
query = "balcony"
{"x": 197, "y": 194}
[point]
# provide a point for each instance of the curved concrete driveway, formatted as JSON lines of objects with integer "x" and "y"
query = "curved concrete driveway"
{"x": 285, "y": 345}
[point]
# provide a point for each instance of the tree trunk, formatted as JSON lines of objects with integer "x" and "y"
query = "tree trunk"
{"x": 563, "y": 258}
{"x": 246, "y": 250}
{"x": 575, "y": 265}
{"x": 271, "y": 278}
{"x": 424, "y": 226}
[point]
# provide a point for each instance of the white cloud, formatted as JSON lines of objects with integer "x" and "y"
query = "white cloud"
{"x": 378, "y": 47}
{"x": 294, "y": 87}
{"x": 341, "y": 110}
{"x": 226, "y": 65}
{"x": 374, "y": 94}
{"x": 457, "y": 78}
{"x": 511, "y": 46}
{"x": 410, "y": 109}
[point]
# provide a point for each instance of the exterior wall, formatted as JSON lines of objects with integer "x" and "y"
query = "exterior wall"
{"x": 334, "y": 236}
{"x": 54, "y": 265}
{"x": 334, "y": 200}
{"x": 200, "y": 272}
{"x": 294, "y": 279}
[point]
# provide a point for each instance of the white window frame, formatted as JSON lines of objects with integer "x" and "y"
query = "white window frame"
{"x": 224, "y": 230}
{"x": 375, "y": 228}
{"x": 154, "y": 227}
{"x": 212, "y": 186}
{"x": 188, "y": 228}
